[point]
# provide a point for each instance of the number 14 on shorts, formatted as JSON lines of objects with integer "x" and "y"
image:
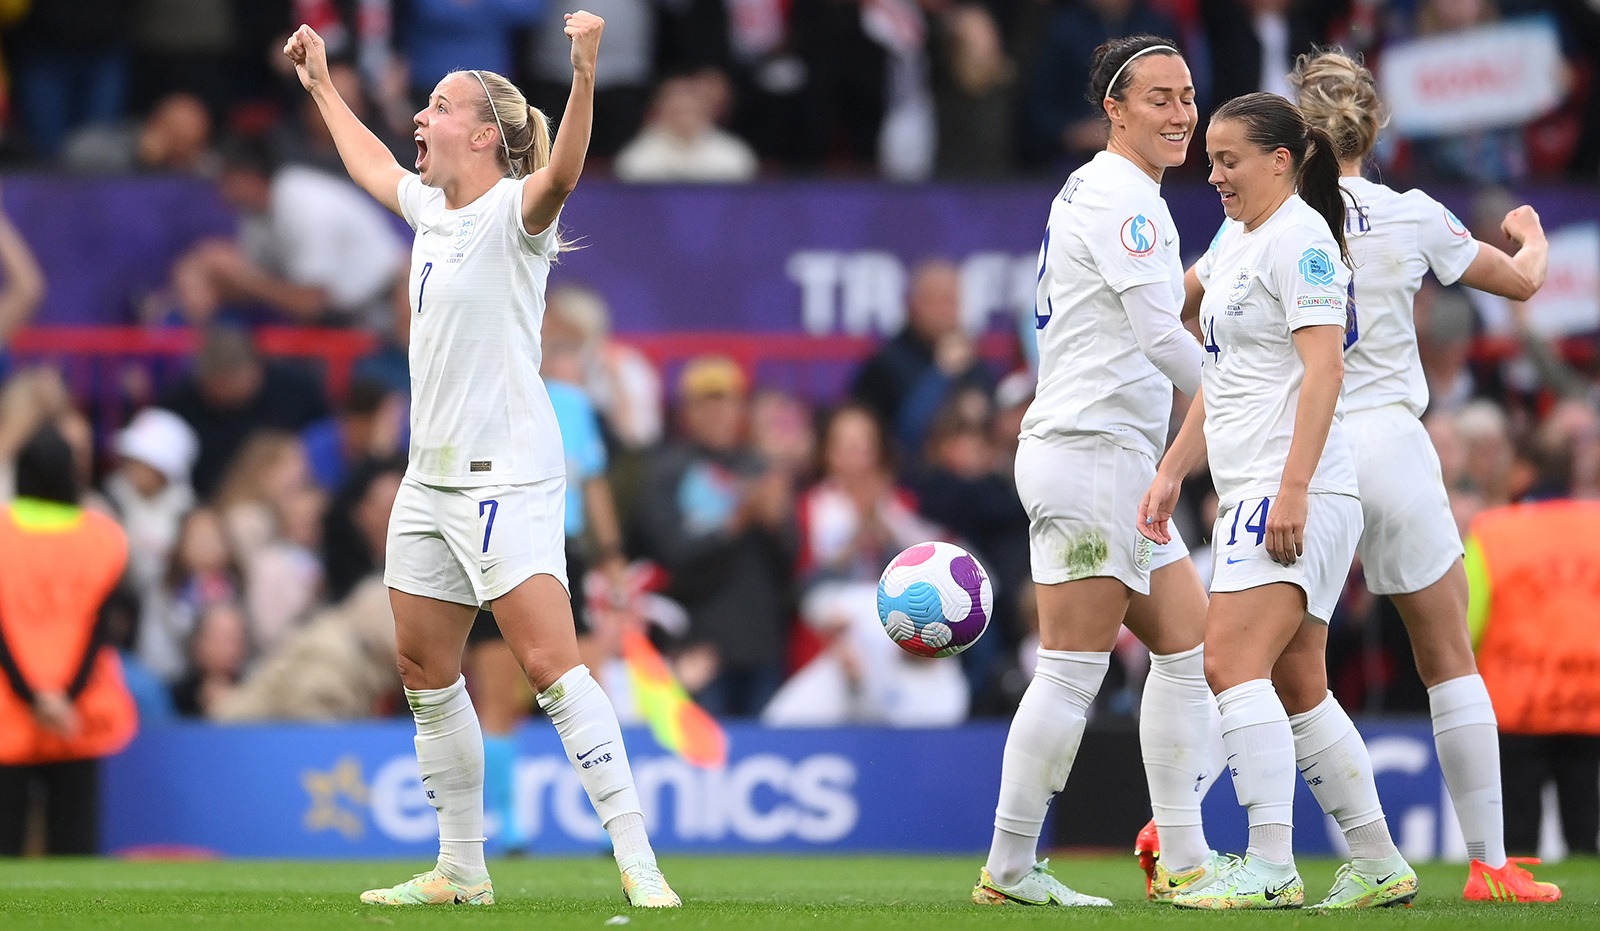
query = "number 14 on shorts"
{"x": 1254, "y": 525}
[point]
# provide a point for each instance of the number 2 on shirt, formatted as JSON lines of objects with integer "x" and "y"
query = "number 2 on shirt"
{"x": 422, "y": 286}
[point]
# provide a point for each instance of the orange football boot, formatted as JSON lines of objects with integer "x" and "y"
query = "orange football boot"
{"x": 1148, "y": 849}
{"x": 1509, "y": 883}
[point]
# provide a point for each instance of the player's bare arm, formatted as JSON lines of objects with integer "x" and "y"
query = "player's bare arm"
{"x": 1518, "y": 276}
{"x": 370, "y": 163}
{"x": 1321, "y": 350}
{"x": 1186, "y": 451}
{"x": 547, "y": 189}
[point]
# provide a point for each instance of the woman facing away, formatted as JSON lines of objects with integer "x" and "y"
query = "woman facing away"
{"x": 478, "y": 521}
{"x": 1111, "y": 348}
{"x": 1267, "y": 417}
{"x": 1410, "y": 547}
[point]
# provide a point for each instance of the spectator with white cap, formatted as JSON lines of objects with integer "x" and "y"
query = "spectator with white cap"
{"x": 150, "y": 490}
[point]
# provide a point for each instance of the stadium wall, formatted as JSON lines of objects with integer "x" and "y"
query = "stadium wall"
{"x": 352, "y": 790}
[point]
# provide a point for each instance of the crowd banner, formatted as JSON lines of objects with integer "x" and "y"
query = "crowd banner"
{"x": 804, "y": 257}
{"x": 353, "y": 790}
{"x": 1488, "y": 77}
{"x": 1569, "y": 302}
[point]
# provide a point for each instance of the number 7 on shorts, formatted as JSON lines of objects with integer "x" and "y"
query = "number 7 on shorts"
{"x": 491, "y": 506}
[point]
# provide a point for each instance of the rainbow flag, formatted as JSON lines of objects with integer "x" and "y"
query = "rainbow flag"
{"x": 677, "y": 722}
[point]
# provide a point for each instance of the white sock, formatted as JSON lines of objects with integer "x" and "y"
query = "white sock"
{"x": 1468, "y": 741}
{"x": 587, "y": 723}
{"x": 1255, "y": 732}
{"x": 628, "y": 838}
{"x": 1011, "y": 856}
{"x": 1334, "y": 762}
{"x": 1180, "y": 738}
{"x": 450, "y": 755}
{"x": 1040, "y": 748}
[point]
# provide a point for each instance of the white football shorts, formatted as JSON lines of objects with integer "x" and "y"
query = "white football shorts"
{"x": 1238, "y": 544}
{"x": 1409, "y": 537}
{"x": 472, "y": 545}
{"x": 1082, "y": 495}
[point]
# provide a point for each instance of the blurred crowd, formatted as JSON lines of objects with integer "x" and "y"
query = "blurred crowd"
{"x": 728, "y": 90}
{"x": 740, "y": 527}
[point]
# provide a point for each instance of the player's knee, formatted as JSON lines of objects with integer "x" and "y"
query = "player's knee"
{"x": 1218, "y": 674}
{"x": 1300, "y": 694}
{"x": 1441, "y": 662}
{"x": 416, "y": 673}
{"x": 544, "y": 667}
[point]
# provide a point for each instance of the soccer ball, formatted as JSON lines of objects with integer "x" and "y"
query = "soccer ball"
{"x": 935, "y": 600}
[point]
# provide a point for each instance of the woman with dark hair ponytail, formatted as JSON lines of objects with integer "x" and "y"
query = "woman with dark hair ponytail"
{"x": 1273, "y": 330}
{"x": 1111, "y": 350}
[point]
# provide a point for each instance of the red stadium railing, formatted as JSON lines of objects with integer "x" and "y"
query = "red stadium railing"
{"x": 80, "y": 350}
{"x": 111, "y": 369}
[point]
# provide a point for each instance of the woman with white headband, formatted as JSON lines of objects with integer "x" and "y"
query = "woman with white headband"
{"x": 479, "y": 517}
{"x": 1111, "y": 348}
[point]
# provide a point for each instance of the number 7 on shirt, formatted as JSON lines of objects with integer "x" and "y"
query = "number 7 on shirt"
{"x": 422, "y": 286}
{"x": 491, "y": 506}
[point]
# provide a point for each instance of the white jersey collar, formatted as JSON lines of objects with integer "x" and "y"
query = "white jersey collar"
{"x": 1111, "y": 161}
{"x": 1287, "y": 210}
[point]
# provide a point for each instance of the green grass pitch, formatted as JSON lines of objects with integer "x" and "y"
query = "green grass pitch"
{"x": 761, "y": 893}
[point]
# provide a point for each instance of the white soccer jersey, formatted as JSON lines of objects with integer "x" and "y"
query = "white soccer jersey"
{"x": 479, "y": 412}
{"x": 1109, "y": 231}
{"x": 1394, "y": 239}
{"x": 1261, "y": 286}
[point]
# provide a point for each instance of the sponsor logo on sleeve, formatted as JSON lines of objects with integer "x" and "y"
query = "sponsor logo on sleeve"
{"x": 1318, "y": 300}
{"x": 1315, "y": 266}
{"x": 1139, "y": 235}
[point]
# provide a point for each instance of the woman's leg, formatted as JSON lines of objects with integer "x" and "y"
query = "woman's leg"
{"x": 500, "y": 693}
{"x": 16, "y": 797}
{"x": 430, "y": 636}
{"x": 72, "y": 808}
{"x": 536, "y": 619}
{"x": 1465, "y": 732}
{"x": 1078, "y": 624}
{"x": 1526, "y": 759}
{"x": 1180, "y": 729}
{"x": 1577, "y": 771}
{"x": 1246, "y": 632}
{"x": 1329, "y": 751}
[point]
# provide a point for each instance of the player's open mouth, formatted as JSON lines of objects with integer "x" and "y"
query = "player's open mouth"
{"x": 1175, "y": 137}
{"x": 422, "y": 149}
{"x": 1227, "y": 197}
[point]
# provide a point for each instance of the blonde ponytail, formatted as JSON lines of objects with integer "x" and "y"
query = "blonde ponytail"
{"x": 1338, "y": 95}
{"x": 525, "y": 131}
{"x": 538, "y": 153}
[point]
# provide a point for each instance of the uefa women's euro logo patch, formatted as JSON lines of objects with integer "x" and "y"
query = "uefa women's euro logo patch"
{"x": 1316, "y": 267}
{"x": 1138, "y": 235}
{"x": 1454, "y": 224}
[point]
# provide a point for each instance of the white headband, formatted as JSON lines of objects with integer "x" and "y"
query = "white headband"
{"x": 1118, "y": 74}
{"x": 496, "y": 111}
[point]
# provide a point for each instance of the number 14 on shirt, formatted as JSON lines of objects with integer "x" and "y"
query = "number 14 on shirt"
{"x": 1256, "y": 523}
